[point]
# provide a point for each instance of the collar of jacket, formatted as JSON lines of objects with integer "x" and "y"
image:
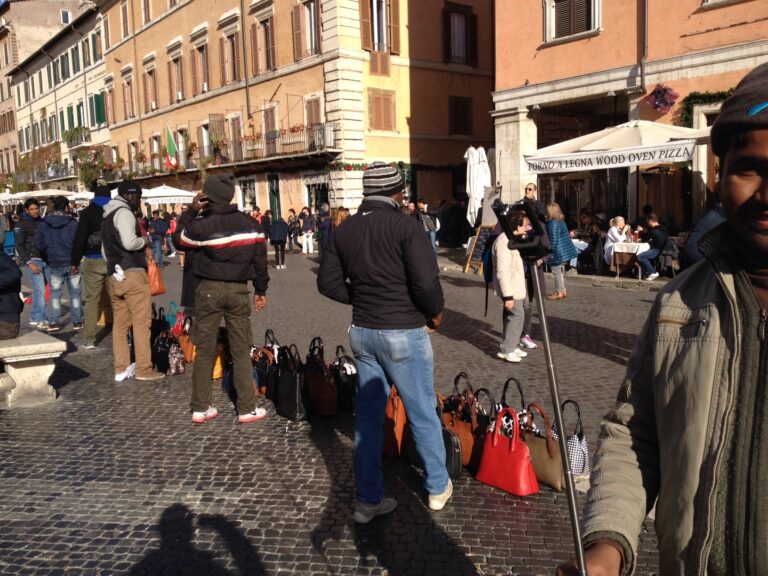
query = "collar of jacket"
{"x": 379, "y": 202}
{"x": 26, "y": 216}
{"x": 221, "y": 208}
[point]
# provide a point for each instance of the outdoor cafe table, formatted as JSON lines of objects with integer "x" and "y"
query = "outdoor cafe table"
{"x": 625, "y": 255}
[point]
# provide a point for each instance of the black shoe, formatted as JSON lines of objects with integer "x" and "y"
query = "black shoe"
{"x": 77, "y": 325}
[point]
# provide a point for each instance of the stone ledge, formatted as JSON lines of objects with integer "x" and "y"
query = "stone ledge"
{"x": 29, "y": 363}
{"x": 32, "y": 345}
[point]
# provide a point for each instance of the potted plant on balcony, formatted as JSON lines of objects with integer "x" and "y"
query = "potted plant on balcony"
{"x": 140, "y": 157}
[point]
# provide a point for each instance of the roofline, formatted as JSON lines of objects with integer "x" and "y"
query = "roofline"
{"x": 44, "y": 49}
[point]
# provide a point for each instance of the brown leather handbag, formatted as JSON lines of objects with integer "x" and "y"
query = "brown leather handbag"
{"x": 460, "y": 416}
{"x": 394, "y": 424}
{"x": 545, "y": 451}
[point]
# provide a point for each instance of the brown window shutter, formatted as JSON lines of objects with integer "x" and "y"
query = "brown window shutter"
{"x": 562, "y": 18}
{"x": 375, "y": 63}
{"x": 388, "y": 109}
{"x": 272, "y": 55}
{"x": 254, "y": 49}
{"x": 171, "y": 95}
{"x": 201, "y": 151}
{"x": 222, "y": 62}
{"x": 125, "y": 104}
{"x": 446, "y": 35}
{"x": 193, "y": 70}
{"x": 318, "y": 27}
{"x": 181, "y": 76}
{"x": 236, "y": 57}
{"x": 205, "y": 75}
{"x": 298, "y": 46}
{"x": 394, "y": 27}
{"x": 313, "y": 112}
{"x": 582, "y": 20}
{"x": 472, "y": 40}
{"x": 365, "y": 25}
{"x": 146, "y": 92}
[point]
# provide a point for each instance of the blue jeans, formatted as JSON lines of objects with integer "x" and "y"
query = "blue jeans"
{"x": 644, "y": 258}
{"x": 37, "y": 313}
{"x": 433, "y": 240}
{"x": 58, "y": 277}
{"x": 403, "y": 358}
{"x": 157, "y": 250}
{"x": 171, "y": 247}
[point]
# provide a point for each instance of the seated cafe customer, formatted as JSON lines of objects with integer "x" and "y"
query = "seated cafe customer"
{"x": 656, "y": 236}
{"x": 618, "y": 232}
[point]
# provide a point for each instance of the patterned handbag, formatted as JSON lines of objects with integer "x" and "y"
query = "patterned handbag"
{"x": 344, "y": 370}
{"x": 523, "y": 416}
{"x": 576, "y": 443}
{"x": 175, "y": 359}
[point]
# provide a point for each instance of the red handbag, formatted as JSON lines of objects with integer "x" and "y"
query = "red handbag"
{"x": 506, "y": 462}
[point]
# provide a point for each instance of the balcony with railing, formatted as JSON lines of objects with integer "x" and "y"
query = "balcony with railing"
{"x": 51, "y": 173}
{"x": 75, "y": 137}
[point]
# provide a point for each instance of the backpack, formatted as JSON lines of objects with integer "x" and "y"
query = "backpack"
{"x": 487, "y": 260}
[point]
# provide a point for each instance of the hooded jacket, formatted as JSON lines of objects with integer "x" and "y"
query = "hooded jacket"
{"x": 24, "y": 235}
{"x": 382, "y": 263}
{"x": 88, "y": 238}
{"x": 663, "y": 443}
{"x": 122, "y": 242}
{"x": 55, "y": 238}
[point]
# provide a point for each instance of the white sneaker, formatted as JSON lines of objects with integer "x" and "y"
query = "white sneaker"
{"x": 652, "y": 277}
{"x": 129, "y": 372}
{"x": 528, "y": 342}
{"x": 438, "y": 501}
{"x": 519, "y": 352}
{"x": 255, "y": 414}
{"x": 202, "y": 417}
{"x": 172, "y": 255}
{"x": 511, "y": 357}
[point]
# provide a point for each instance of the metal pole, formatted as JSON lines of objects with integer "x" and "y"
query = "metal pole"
{"x": 569, "y": 488}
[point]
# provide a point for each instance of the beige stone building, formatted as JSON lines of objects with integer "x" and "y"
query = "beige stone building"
{"x": 577, "y": 66}
{"x": 60, "y": 109}
{"x": 24, "y": 26}
{"x": 297, "y": 96}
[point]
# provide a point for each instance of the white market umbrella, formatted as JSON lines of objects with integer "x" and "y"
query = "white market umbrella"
{"x": 47, "y": 193}
{"x": 8, "y": 198}
{"x": 630, "y": 144}
{"x": 482, "y": 180}
{"x": 472, "y": 165}
{"x": 82, "y": 196}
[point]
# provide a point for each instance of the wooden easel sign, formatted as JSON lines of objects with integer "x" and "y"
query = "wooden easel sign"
{"x": 475, "y": 259}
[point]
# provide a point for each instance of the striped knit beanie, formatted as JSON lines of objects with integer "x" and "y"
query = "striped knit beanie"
{"x": 382, "y": 180}
{"x": 745, "y": 110}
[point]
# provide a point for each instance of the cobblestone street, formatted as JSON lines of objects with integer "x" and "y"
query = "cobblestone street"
{"x": 115, "y": 479}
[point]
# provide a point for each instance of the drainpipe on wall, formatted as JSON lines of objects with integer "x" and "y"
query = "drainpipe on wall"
{"x": 136, "y": 70}
{"x": 644, "y": 59}
{"x": 245, "y": 65}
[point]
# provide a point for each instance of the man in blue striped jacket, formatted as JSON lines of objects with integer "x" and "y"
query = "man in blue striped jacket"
{"x": 230, "y": 250}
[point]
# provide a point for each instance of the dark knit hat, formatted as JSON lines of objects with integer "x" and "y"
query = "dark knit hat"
{"x": 102, "y": 191}
{"x": 382, "y": 180}
{"x": 128, "y": 187}
{"x": 746, "y": 109}
{"x": 220, "y": 188}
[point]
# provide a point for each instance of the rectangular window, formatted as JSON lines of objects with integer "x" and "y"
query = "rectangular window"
{"x": 178, "y": 76}
{"x": 110, "y": 106}
{"x": 91, "y": 112}
{"x": 39, "y": 84}
{"x": 146, "y": 5}
{"x": 62, "y": 124}
{"x": 204, "y": 73}
{"x": 267, "y": 28}
{"x": 380, "y": 25}
{"x": 50, "y": 76}
{"x": 6, "y": 59}
{"x": 64, "y": 66}
{"x": 76, "y": 59}
{"x": 124, "y": 19}
{"x": 233, "y": 54}
{"x": 381, "y": 109}
{"x": 56, "y": 73}
{"x": 459, "y": 35}
{"x": 459, "y": 115}
{"x": 568, "y": 17}
{"x": 99, "y": 108}
{"x": 26, "y": 91}
{"x": 32, "y": 87}
{"x": 96, "y": 46}
{"x": 21, "y": 141}
{"x": 128, "y": 99}
{"x": 53, "y": 128}
{"x": 80, "y": 115}
{"x": 105, "y": 27}
{"x": 86, "y": 53}
{"x": 306, "y": 29}
{"x": 150, "y": 91}
{"x": 66, "y": 16}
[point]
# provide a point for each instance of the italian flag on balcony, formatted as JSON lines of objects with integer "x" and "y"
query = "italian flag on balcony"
{"x": 170, "y": 152}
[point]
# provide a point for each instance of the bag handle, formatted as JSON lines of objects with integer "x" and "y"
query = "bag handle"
{"x": 494, "y": 410}
{"x": 340, "y": 352}
{"x": 316, "y": 347}
{"x": 579, "y": 431}
{"x": 497, "y": 425}
{"x": 294, "y": 355}
{"x": 154, "y": 311}
{"x": 270, "y": 339}
{"x": 551, "y": 449}
{"x": 459, "y": 377}
{"x": 519, "y": 389}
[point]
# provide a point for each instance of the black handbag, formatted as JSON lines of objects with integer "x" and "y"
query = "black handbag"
{"x": 158, "y": 324}
{"x": 272, "y": 370}
{"x": 322, "y": 398}
{"x": 290, "y": 388}
{"x": 452, "y": 444}
{"x": 161, "y": 348}
{"x": 344, "y": 371}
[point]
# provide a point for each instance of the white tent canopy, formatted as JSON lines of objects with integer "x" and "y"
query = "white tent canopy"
{"x": 163, "y": 195}
{"x": 631, "y": 144}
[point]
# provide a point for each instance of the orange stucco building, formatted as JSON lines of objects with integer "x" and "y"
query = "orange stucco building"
{"x": 577, "y": 66}
{"x": 297, "y": 96}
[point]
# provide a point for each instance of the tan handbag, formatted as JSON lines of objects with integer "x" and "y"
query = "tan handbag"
{"x": 545, "y": 452}
{"x": 156, "y": 285}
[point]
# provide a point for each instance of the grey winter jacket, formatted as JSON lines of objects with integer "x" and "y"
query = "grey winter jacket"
{"x": 662, "y": 444}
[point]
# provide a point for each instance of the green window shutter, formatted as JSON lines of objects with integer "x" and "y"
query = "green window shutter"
{"x": 94, "y": 49}
{"x": 101, "y": 116}
{"x": 71, "y": 117}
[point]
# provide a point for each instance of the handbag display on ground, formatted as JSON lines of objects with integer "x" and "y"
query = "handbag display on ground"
{"x": 320, "y": 386}
{"x": 453, "y": 463}
{"x": 576, "y": 443}
{"x": 506, "y": 461}
{"x": 459, "y": 414}
{"x": 291, "y": 402}
{"x": 161, "y": 348}
{"x": 273, "y": 372}
{"x": 344, "y": 371}
{"x": 545, "y": 452}
{"x": 394, "y": 424}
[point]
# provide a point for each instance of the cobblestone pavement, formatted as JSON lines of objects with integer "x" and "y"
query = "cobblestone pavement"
{"x": 114, "y": 478}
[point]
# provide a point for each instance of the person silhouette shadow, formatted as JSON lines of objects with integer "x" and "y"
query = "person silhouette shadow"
{"x": 178, "y": 555}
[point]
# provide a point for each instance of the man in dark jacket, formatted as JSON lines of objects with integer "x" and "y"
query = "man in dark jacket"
{"x": 24, "y": 236}
{"x": 11, "y": 304}
{"x": 230, "y": 249}
{"x": 124, "y": 248}
{"x": 380, "y": 261}
{"x": 87, "y": 258}
{"x": 656, "y": 236}
{"x": 54, "y": 240}
{"x": 429, "y": 219}
{"x": 157, "y": 231}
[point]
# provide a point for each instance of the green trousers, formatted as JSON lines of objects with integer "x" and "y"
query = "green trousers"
{"x": 94, "y": 276}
